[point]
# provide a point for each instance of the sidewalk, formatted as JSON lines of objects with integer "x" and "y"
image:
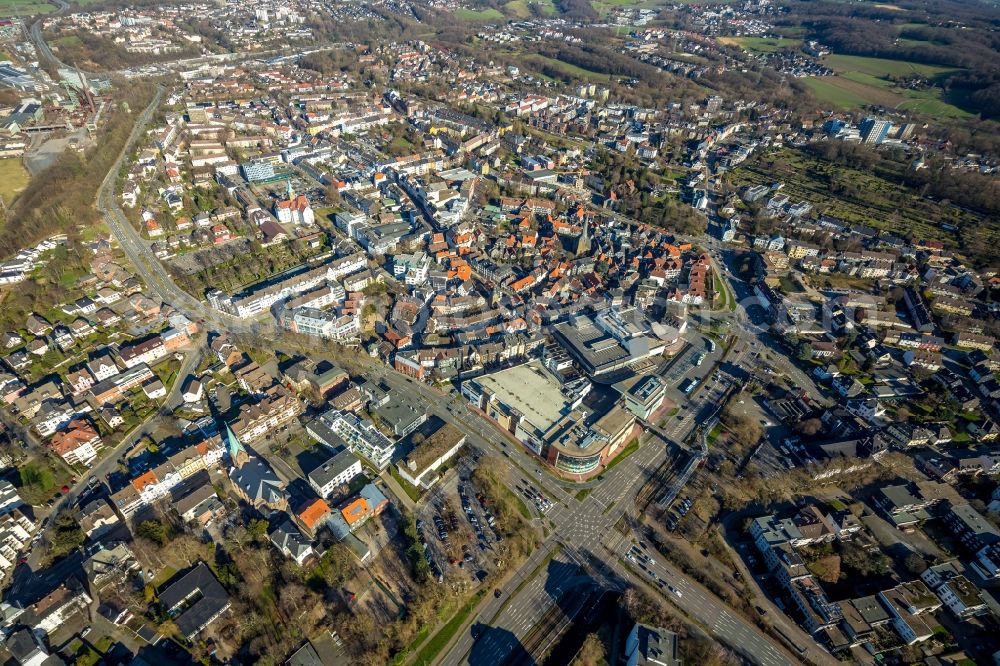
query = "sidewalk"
{"x": 397, "y": 490}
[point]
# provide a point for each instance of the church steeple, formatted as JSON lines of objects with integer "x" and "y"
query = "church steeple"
{"x": 237, "y": 452}
{"x": 583, "y": 242}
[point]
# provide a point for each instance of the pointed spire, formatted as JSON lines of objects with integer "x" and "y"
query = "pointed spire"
{"x": 237, "y": 452}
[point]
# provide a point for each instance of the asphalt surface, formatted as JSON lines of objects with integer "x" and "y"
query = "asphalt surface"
{"x": 723, "y": 623}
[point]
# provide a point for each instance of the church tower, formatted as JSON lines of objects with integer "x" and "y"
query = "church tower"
{"x": 237, "y": 452}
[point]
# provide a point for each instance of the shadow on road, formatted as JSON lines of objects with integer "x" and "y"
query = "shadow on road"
{"x": 569, "y": 592}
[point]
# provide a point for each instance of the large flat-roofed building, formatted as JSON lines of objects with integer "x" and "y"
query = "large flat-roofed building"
{"x": 419, "y": 467}
{"x": 525, "y": 400}
{"x": 608, "y": 340}
{"x": 595, "y": 350}
{"x": 549, "y": 417}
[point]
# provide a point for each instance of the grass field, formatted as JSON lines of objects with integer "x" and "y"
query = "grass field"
{"x": 429, "y": 652}
{"x": 570, "y": 70}
{"x": 861, "y": 81}
{"x": 882, "y": 67}
{"x": 793, "y": 31}
{"x": 902, "y": 41}
{"x": 830, "y": 89}
{"x": 13, "y": 8}
{"x": 490, "y": 14}
{"x": 605, "y": 7}
{"x": 13, "y": 179}
{"x": 762, "y": 44}
{"x": 522, "y": 8}
{"x": 68, "y": 40}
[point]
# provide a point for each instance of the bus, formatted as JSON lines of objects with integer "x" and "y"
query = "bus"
{"x": 699, "y": 359}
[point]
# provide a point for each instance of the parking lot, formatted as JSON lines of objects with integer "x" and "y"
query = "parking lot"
{"x": 457, "y": 531}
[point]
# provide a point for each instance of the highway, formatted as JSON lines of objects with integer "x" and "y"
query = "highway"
{"x": 706, "y": 608}
{"x": 586, "y": 531}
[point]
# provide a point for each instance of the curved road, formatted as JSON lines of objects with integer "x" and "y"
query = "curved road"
{"x": 141, "y": 255}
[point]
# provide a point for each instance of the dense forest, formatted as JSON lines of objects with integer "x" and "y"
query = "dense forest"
{"x": 577, "y": 9}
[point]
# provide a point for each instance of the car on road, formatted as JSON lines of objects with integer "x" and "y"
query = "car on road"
{"x": 675, "y": 591}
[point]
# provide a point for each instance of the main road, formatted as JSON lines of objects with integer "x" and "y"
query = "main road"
{"x": 141, "y": 255}
{"x": 589, "y": 533}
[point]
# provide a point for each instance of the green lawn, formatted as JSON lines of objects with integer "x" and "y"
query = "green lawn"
{"x": 882, "y": 67}
{"x": 792, "y": 31}
{"x": 522, "y": 8}
{"x": 429, "y": 652}
{"x": 490, "y": 14}
{"x": 605, "y": 7}
{"x": 13, "y": 178}
{"x": 714, "y": 433}
{"x": 853, "y": 88}
{"x": 930, "y": 102}
{"x": 412, "y": 492}
{"x": 831, "y": 94}
{"x": 762, "y": 44}
{"x": 68, "y": 40}
{"x": 570, "y": 70}
{"x": 632, "y": 447}
{"x": 903, "y": 41}
{"x": 13, "y": 8}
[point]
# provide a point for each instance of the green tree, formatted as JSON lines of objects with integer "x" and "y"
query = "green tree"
{"x": 68, "y": 536}
{"x": 34, "y": 476}
{"x": 153, "y": 530}
{"x": 257, "y": 528}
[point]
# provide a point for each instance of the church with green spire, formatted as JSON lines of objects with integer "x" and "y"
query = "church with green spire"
{"x": 237, "y": 452}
